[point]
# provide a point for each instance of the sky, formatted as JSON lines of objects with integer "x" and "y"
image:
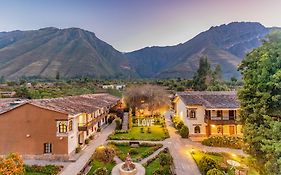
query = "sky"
{"x": 129, "y": 25}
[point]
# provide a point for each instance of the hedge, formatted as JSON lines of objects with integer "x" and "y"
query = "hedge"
{"x": 224, "y": 141}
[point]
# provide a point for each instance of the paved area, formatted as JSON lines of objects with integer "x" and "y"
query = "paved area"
{"x": 183, "y": 161}
{"x": 75, "y": 167}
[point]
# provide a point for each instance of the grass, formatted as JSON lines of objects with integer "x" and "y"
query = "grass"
{"x": 97, "y": 164}
{"x": 157, "y": 133}
{"x": 142, "y": 151}
{"x": 42, "y": 170}
{"x": 221, "y": 158}
{"x": 32, "y": 173}
{"x": 150, "y": 168}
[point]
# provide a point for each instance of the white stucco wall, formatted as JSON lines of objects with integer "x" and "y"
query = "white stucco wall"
{"x": 73, "y": 135}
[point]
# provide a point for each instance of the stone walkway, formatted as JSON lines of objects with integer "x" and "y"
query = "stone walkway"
{"x": 75, "y": 167}
{"x": 152, "y": 155}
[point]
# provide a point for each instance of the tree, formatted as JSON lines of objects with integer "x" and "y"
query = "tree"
{"x": 150, "y": 96}
{"x": 23, "y": 92}
{"x": 260, "y": 101}
{"x": 11, "y": 165}
{"x": 104, "y": 154}
{"x": 200, "y": 78}
{"x": 165, "y": 159}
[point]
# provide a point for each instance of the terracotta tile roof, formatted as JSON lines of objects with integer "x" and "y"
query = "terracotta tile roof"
{"x": 210, "y": 99}
{"x": 77, "y": 104}
{"x": 72, "y": 105}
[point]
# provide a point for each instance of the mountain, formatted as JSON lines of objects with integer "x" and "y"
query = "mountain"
{"x": 225, "y": 45}
{"x": 74, "y": 52}
{"x": 69, "y": 52}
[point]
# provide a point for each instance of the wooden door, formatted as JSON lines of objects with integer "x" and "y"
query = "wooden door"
{"x": 231, "y": 130}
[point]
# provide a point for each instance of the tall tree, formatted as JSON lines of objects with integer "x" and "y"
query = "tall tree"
{"x": 201, "y": 76}
{"x": 260, "y": 100}
{"x": 11, "y": 164}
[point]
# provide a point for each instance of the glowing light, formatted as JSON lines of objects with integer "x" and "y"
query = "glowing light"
{"x": 213, "y": 126}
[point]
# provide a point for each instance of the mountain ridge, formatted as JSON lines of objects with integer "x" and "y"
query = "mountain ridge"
{"x": 74, "y": 52}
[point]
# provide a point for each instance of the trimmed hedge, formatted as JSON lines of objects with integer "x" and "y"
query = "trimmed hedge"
{"x": 215, "y": 171}
{"x": 47, "y": 169}
{"x": 224, "y": 141}
{"x": 184, "y": 132}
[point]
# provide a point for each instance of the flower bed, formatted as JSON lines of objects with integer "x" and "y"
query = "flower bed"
{"x": 224, "y": 141}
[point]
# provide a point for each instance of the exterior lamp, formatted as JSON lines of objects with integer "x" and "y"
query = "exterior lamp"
{"x": 192, "y": 150}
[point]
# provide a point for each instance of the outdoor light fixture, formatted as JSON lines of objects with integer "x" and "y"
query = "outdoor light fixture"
{"x": 192, "y": 150}
{"x": 27, "y": 135}
{"x": 213, "y": 126}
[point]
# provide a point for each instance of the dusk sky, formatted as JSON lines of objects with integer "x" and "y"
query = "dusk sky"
{"x": 133, "y": 24}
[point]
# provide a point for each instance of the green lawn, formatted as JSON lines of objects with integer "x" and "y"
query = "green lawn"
{"x": 142, "y": 151}
{"x": 157, "y": 133}
{"x": 42, "y": 170}
{"x": 97, "y": 164}
{"x": 150, "y": 168}
{"x": 221, "y": 158}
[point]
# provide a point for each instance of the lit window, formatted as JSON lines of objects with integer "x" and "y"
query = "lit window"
{"x": 47, "y": 148}
{"x": 70, "y": 125}
{"x": 62, "y": 127}
{"x": 219, "y": 129}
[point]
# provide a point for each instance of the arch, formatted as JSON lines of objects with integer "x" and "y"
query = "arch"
{"x": 197, "y": 129}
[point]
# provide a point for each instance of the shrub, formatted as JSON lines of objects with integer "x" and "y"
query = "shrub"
{"x": 148, "y": 130}
{"x": 47, "y": 169}
{"x": 118, "y": 124}
{"x": 111, "y": 118}
{"x": 99, "y": 129}
{"x": 141, "y": 130}
{"x": 224, "y": 141}
{"x": 133, "y": 151}
{"x": 87, "y": 141}
{"x": 11, "y": 164}
{"x": 206, "y": 164}
{"x": 179, "y": 125}
{"x": 104, "y": 154}
{"x": 78, "y": 149}
{"x": 100, "y": 171}
{"x": 215, "y": 171}
{"x": 165, "y": 159}
{"x": 162, "y": 171}
{"x": 184, "y": 132}
{"x": 91, "y": 137}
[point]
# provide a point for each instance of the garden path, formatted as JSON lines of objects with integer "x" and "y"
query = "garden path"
{"x": 75, "y": 167}
{"x": 125, "y": 121}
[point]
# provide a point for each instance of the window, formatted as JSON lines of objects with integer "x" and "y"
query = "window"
{"x": 47, "y": 148}
{"x": 192, "y": 113}
{"x": 62, "y": 127}
{"x": 197, "y": 129}
{"x": 219, "y": 113}
{"x": 70, "y": 125}
{"x": 231, "y": 115}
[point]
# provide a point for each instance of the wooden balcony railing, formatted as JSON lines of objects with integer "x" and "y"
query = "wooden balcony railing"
{"x": 89, "y": 124}
{"x": 220, "y": 121}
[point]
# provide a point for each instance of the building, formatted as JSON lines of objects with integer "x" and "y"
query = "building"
{"x": 52, "y": 128}
{"x": 209, "y": 113}
{"x": 112, "y": 86}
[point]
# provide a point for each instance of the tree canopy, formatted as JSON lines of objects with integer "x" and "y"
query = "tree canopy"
{"x": 260, "y": 100}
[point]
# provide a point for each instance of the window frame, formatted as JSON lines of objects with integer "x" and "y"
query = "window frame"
{"x": 62, "y": 127}
{"x": 196, "y": 129}
{"x": 48, "y": 148}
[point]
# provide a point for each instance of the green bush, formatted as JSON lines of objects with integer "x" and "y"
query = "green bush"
{"x": 78, "y": 149}
{"x": 206, "y": 164}
{"x": 141, "y": 130}
{"x": 215, "y": 171}
{"x": 165, "y": 159}
{"x": 133, "y": 151}
{"x": 148, "y": 130}
{"x": 100, "y": 171}
{"x": 184, "y": 132}
{"x": 47, "y": 169}
{"x": 104, "y": 154}
{"x": 162, "y": 171}
{"x": 118, "y": 122}
{"x": 87, "y": 141}
{"x": 224, "y": 141}
{"x": 179, "y": 125}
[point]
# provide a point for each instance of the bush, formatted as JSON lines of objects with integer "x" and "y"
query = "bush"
{"x": 206, "y": 164}
{"x": 118, "y": 124}
{"x": 111, "y": 118}
{"x": 91, "y": 137}
{"x": 87, "y": 141}
{"x": 165, "y": 159}
{"x": 215, "y": 171}
{"x": 224, "y": 141}
{"x": 179, "y": 125}
{"x": 133, "y": 151}
{"x": 104, "y": 154}
{"x": 47, "y": 169}
{"x": 184, "y": 132}
{"x": 163, "y": 171}
{"x": 148, "y": 130}
{"x": 100, "y": 171}
{"x": 78, "y": 149}
{"x": 141, "y": 130}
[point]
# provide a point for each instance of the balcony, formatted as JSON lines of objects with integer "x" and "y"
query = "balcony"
{"x": 220, "y": 121}
{"x": 85, "y": 126}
